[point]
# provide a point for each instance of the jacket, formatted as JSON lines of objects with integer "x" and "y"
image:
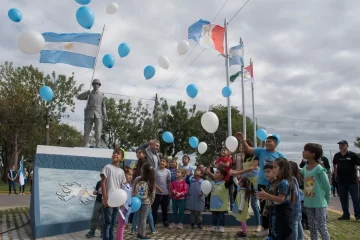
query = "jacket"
{"x": 95, "y": 107}
{"x": 179, "y": 187}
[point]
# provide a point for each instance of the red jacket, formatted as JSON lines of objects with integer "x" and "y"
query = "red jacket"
{"x": 178, "y": 187}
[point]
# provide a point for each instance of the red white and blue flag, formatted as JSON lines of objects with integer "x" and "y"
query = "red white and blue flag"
{"x": 207, "y": 35}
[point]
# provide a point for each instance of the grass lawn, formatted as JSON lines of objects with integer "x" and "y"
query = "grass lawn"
{"x": 4, "y": 187}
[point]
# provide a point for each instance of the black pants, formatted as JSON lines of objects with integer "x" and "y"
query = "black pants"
{"x": 335, "y": 187}
{"x": 283, "y": 222}
{"x": 162, "y": 200}
{"x": 264, "y": 219}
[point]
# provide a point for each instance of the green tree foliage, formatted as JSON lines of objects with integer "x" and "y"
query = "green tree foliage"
{"x": 357, "y": 142}
{"x": 24, "y": 115}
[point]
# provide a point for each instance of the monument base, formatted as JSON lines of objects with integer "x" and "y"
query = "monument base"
{"x": 64, "y": 179}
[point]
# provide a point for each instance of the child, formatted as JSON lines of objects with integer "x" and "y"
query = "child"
{"x": 95, "y": 219}
{"x": 173, "y": 168}
{"x": 297, "y": 230}
{"x": 210, "y": 179}
{"x": 126, "y": 208}
{"x": 144, "y": 188}
{"x": 178, "y": 192}
{"x": 112, "y": 178}
{"x": 195, "y": 199}
{"x": 162, "y": 179}
{"x": 186, "y": 166}
{"x": 219, "y": 201}
{"x": 241, "y": 204}
{"x": 316, "y": 191}
{"x": 283, "y": 198}
{"x": 269, "y": 208}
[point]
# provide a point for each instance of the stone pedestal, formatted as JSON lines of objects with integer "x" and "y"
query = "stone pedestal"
{"x": 64, "y": 179}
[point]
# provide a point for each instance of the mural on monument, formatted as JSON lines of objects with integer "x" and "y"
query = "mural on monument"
{"x": 83, "y": 194}
{"x": 66, "y": 195}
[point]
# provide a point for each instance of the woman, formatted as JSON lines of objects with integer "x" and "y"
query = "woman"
{"x": 22, "y": 187}
{"x": 250, "y": 169}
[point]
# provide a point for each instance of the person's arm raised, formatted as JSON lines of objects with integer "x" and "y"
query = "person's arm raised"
{"x": 246, "y": 147}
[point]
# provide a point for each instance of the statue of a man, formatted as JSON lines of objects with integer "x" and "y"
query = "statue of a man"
{"x": 95, "y": 112}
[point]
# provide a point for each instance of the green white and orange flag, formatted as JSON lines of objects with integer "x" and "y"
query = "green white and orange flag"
{"x": 248, "y": 74}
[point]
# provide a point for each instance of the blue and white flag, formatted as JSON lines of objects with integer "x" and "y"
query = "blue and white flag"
{"x": 77, "y": 49}
{"x": 236, "y": 55}
{"x": 21, "y": 172}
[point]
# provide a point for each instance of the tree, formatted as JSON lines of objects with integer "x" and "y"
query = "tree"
{"x": 357, "y": 142}
{"x": 125, "y": 125}
{"x": 24, "y": 114}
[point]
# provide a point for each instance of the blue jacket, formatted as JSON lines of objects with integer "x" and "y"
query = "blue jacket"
{"x": 193, "y": 200}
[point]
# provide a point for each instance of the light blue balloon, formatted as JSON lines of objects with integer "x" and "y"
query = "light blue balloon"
{"x": 261, "y": 134}
{"x": 168, "y": 137}
{"x": 85, "y": 17}
{"x": 14, "y": 15}
{"x": 135, "y": 204}
{"x": 277, "y": 137}
{"x": 194, "y": 142}
{"x": 226, "y": 91}
{"x": 149, "y": 72}
{"x": 83, "y": 2}
{"x": 192, "y": 90}
{"x": 108, "y": 60}
{"x": 46, "y": 93}
{"x": 124, "y": 49}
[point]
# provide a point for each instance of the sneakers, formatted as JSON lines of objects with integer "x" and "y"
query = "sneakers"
{"x": 154, "y": 232}
{"x": 241, "y": 235}
{"x": 192, "y": 226}
{"x": 343, "y": 218}
{"x": 213, "y": 228}
{"x": 180, "y": 226}
{"x": 172, "y": 226}
{"x": 139, "y": 237}
{"x": 199, "y": 226}
{"x": 259, "y": 228}
{"x": 221, "y": 229}
{"x": 90, "y": 234}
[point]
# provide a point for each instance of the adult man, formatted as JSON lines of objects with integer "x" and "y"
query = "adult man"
{"x": 345, "y": 166}
{"x": 152, "y": 152}
{"x": 267, "y": 154}
{"x": 12, "y": 175}
{"x": 95, "y": 112}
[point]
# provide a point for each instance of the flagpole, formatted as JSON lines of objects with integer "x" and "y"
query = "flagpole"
{"x": 227, "y": 78}
{"x": 253, "y": 107}
{"x": 243, "y": 97}
{"x": 97, "y": 54}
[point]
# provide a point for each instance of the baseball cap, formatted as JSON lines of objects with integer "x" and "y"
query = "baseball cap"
{"x": 343, "y": 142}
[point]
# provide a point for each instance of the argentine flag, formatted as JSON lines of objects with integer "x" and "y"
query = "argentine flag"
{"x": 21, "y": 172}
{"x": 77, "y": 49}
{"x": 236, "y": 55}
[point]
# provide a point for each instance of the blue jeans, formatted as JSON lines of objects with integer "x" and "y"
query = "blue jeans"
{"x": 11, "y": 185}
{"x": 218, "y": 217}
{"x": 344, "y": 190}
{"x": 255, "y": 208}
{"x": 297, "y": 230}
{"x": 110, "y": 222}
{"x": 150, "y": 221}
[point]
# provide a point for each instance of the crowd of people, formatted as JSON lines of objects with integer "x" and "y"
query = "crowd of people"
{"x": 14, "y": 178}
{"x": 290, "y": 197}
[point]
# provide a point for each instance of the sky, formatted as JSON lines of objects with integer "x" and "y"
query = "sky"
{"x": 305, "y": 56}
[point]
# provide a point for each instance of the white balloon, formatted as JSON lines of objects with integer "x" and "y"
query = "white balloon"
{"x": 231, "y": 143}
{"x": 31, "y": 42}
{"x": 206, "y": 187}
{"x": 210, "y": 122}
{"x": 111, "y": 8}
{"x": 202, "y": 147}
{"x": 117, "y": 198}
{"x": 183, "y": 47}
{"x": 164, "y": 62}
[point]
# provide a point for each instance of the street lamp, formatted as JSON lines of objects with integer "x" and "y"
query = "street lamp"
{"x": 59, "y": 140}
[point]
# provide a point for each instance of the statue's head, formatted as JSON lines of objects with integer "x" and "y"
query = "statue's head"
{"x": 96, "y": 84}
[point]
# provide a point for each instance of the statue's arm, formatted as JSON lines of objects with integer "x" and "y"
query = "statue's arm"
{"x": 84, "y": 95}
{"x": 103, "y": 108}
